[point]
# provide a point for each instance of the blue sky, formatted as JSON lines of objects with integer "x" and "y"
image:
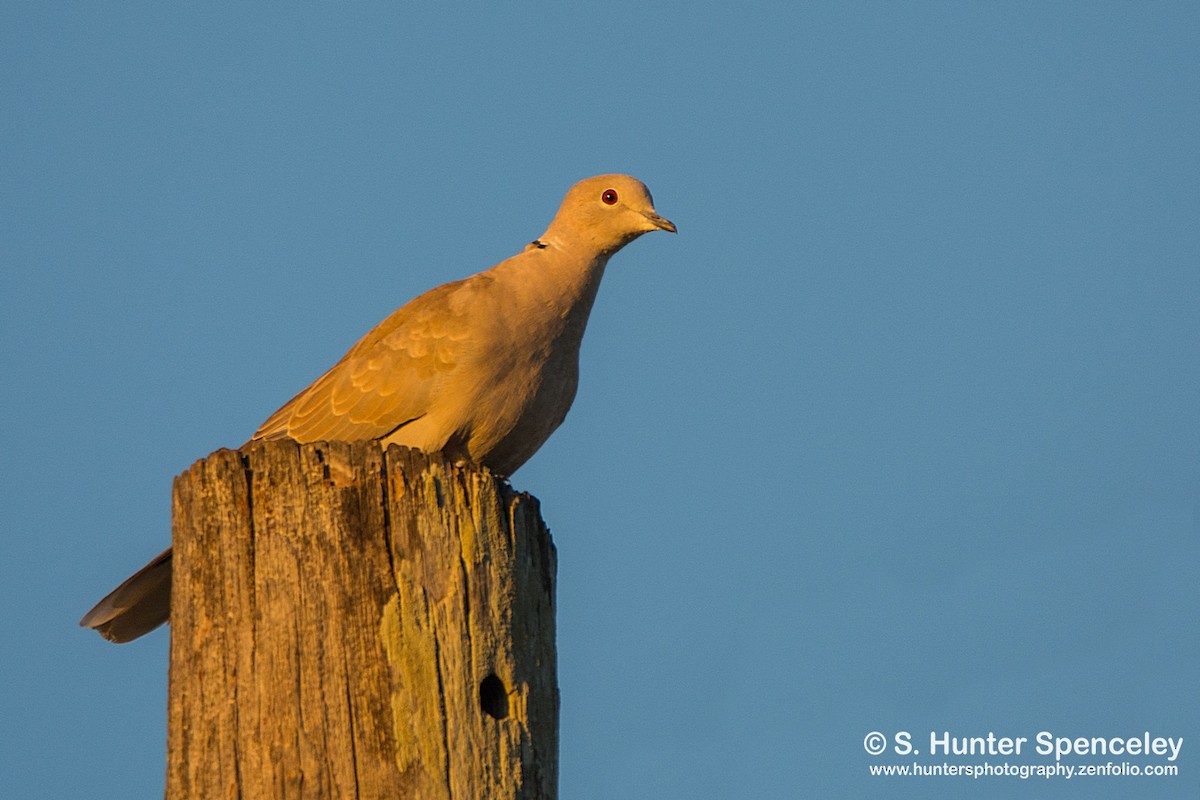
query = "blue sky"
{"x": 899, "y": 433}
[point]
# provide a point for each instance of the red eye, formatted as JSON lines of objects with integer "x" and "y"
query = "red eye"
{"x": 609, "y": 197}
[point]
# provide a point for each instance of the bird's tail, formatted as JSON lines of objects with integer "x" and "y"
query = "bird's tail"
{"x": 137, "y": 606}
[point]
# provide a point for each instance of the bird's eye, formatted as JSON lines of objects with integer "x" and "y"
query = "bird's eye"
{"x": 609, "y": 197}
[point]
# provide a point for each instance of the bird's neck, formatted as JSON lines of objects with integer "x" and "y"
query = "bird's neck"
{"x": 560, "y": 277}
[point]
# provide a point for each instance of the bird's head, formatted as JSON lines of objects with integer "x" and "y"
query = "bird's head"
{"x": 608, "y": 211}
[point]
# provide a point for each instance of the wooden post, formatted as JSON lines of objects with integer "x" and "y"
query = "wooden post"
{"x": 349, "y": 623}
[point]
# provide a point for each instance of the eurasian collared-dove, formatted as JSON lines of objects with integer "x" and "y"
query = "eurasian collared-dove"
{"x": 482, "y": 369}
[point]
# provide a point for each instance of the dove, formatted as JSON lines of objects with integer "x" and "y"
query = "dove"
{"x": 482, "y": 369}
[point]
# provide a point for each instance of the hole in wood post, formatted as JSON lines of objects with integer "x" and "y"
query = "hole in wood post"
{"x": 493, "y": 697}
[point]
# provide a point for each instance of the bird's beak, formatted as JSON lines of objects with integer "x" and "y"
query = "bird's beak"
{"x": 659, "y": 221}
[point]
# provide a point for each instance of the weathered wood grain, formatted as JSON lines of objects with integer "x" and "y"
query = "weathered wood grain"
{"x": 350, "y": 623}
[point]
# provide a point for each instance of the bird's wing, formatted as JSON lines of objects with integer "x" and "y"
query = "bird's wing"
{"x": 387, "y": 379}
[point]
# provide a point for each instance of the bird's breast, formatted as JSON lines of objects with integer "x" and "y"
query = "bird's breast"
{"x": 520, "y": 368}
{"x": 524, "y": 401}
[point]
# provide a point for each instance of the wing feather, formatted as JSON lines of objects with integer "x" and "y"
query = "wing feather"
{"x": 385, "y": 380}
